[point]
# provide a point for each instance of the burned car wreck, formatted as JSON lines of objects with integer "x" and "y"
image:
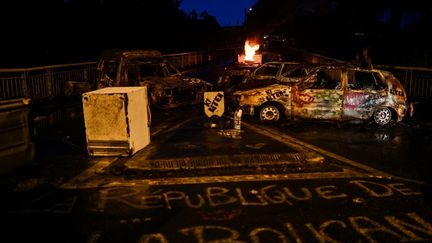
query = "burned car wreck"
{"x": 281, "y": 72}
{"x": 167, "y": 87}
{"x": 264, "y": 75}
{"x": 329, "y": 92}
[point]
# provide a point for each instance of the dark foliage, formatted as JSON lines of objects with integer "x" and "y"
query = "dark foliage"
{"x": 61, "y": 31}
{"x": 395, "y": 32}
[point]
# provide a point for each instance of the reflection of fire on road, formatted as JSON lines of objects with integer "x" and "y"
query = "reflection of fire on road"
{"x": 250, "y": 56}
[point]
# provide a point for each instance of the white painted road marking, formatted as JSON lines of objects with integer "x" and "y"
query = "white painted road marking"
{"x": 90, "y": 179}
{"x": 288, "y": 140}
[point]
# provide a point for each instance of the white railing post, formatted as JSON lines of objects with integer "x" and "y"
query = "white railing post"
{"x": 86, "y": 73}
{"x": 49, "y": 84}
{"x": 24, "y": 84}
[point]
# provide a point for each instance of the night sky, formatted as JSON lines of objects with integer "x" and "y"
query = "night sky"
{"x": 227, "y": 12}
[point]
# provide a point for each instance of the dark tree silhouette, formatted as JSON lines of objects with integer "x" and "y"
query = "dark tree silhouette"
{"x": 340, "y": 28}
{"x": 61, "y": 31}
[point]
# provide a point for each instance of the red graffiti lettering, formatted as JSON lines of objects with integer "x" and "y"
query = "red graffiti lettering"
{"x": 303, "y": 99}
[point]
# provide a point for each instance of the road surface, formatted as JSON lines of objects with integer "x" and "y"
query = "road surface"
{"x": 304, "y": 182}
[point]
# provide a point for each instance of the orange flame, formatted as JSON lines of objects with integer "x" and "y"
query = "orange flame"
{"x": 250, "y": 49}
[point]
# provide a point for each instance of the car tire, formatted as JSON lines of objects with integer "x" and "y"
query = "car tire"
{"x": 383, "y": 116}
{"x": 270, "y": 113}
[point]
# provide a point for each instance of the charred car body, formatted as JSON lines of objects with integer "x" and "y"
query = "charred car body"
{"x": 167, "y": 87}
{"x": 234, "y": 76}
{"x": 330, "y": 93}
{"x": 285, "y": 72}
{"x": 279, "y": 70}
{"x": 270, "y": 72}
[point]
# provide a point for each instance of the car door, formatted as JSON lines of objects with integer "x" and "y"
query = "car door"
{"x": 365, "y": 91}
{"x": 319, "y": 96}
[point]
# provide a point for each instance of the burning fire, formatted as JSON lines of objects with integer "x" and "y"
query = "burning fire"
{"x": 249, "y": 57}
{"x": 250, "y": 49}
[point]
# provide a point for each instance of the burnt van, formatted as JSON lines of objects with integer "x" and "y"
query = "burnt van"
{"x": 329, "y": 92}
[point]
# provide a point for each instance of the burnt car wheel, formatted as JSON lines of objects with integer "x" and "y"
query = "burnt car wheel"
{"x": 383, "y": 116}
{"x": 270, "y": 113}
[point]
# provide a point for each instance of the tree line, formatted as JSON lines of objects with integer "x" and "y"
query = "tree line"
{"x": 59, "y": 31}
{"x": 393, "y": 30}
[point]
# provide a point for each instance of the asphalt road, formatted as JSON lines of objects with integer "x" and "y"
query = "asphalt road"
{"x": 402, "y": 149}
{"x": 304, "y": 182}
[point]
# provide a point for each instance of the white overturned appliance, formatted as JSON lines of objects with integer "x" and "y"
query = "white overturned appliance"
{"x": 117, "y": 120}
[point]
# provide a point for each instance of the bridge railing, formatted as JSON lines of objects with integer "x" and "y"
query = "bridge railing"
{"x": 417, "y": 81}
{"x": 48, "y": 82}
{"x": 43, "y": 82}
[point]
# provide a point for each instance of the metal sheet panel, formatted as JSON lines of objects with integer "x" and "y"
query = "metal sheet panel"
{"x": 116, "y": 120}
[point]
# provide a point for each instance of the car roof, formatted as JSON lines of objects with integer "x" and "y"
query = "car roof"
{"x": 282, "y": 62}
{"x": 129, "y": 53}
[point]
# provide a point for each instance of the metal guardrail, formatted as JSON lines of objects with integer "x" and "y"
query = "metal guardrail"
{"x": 48, "y": 82}
{"x": 417, "y": 81}
{"x": 185, "y": 60}
{"x": 43, "y": 82}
